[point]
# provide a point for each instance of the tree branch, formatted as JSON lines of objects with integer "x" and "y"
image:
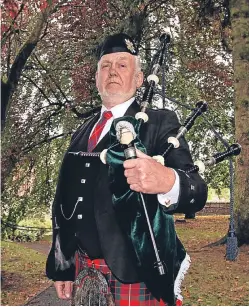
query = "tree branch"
{"x": 86, "y": 114}
{"x": 40, "y": 90}
{"x": 7, "y": 33}
{"x": 56, "y": 84}
{"x": 23, "y": 55}
{"x": 46, "y": 140}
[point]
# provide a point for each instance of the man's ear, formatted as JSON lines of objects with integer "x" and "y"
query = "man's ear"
{"x": 139, "y": 79}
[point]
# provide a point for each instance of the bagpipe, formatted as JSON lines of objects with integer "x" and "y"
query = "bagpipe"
{"x": 125, "y": 138}
{"x": 126, "y": 132}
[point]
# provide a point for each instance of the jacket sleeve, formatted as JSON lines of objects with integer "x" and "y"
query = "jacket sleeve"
{"x": 193, "y": 189}
{"x": 60, "y": 264}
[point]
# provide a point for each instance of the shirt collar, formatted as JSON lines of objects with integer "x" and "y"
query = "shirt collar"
{"x": 120, "y": 109}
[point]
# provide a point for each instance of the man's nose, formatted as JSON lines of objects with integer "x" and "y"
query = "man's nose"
{"x": 112, "y": 71}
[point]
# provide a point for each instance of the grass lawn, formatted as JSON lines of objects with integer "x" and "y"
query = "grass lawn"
{"x": 23, "y": 272}
{"x": 211, "y": 280}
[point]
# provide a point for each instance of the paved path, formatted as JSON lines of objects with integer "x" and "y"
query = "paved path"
{"x": 42, "y": 247}
{"x": 48, "y": 296}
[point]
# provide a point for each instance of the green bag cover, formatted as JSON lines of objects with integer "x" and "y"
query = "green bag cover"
{"x": 132, "y": 220}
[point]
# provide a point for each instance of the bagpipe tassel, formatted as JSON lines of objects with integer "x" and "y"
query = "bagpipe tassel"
{"x": 232, "y": 245}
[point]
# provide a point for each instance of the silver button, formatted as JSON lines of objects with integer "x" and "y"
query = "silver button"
{"x": 79, "y": 216}
{"x": 83, "y": 181}
{"x": 80, "y": 198}
{"x": 87, "y": 165}
{"x": 192, "y": 201}
{"x": 192, "y": 187}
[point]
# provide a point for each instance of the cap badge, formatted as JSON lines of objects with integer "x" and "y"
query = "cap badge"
{"x": 130, "y": 46}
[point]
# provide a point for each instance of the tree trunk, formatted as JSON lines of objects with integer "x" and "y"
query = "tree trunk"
{"x": 8, "y": 88}
{"x": 240, "y": 33}
{"x": 20, "y": 61}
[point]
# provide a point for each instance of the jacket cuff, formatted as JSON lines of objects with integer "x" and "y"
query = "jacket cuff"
{"x": 172, "y": 196}
{"x": 192, "y": 194}
{"x": 56, "y": 273}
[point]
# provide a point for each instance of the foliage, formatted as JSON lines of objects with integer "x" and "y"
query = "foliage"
{"x": 27, "y": 230}
{"x": 223, "y": 196}
{"x": 31, "y": 187}
{"x": 55, "y": 86}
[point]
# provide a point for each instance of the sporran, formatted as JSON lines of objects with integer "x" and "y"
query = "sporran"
{"x": 91, "y": 289}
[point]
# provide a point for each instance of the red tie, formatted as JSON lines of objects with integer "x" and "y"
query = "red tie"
{"x": 93, "y": 140}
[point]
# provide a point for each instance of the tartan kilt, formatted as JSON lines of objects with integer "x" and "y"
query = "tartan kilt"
{"x": 124, "y": 294}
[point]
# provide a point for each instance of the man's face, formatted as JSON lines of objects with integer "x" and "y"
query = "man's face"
{"x": 117, "y": 77}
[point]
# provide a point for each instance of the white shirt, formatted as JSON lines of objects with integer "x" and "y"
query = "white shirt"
{"x": 119, "y": 110}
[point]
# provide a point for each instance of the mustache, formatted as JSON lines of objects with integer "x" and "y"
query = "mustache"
{"x": 113, "y": 80}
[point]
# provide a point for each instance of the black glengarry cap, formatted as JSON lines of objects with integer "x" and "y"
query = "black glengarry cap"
{"x": 120, "y": 42}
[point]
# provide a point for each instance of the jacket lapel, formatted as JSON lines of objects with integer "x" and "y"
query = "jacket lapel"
{"x": 105, "y": 141}
{"x": 81, "y": 140}
{"x": 133, "y": 109}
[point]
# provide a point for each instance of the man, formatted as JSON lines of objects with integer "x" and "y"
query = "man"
{"x": 113, "y": 235}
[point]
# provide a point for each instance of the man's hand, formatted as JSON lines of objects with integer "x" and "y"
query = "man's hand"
{"x": 64, "y": 289}
{"x": 146, "y": 175}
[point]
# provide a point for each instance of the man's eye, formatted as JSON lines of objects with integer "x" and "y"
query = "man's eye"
{"x": 105, "y": 65}
{"x": 122, "y": 65}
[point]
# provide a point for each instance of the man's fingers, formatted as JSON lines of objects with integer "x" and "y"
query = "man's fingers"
{"x": 59, "y": 287}
{"x": 134, "y": 162}
{"x": 130, "y": 173}
{"x": 142, "y": 155}
{"x": 132, "y": 180}
{"x": 68, "y": 289}
{"x": 130, "y": 163}
{"x": 136, "y": 187}
{"x": 64, "y": 289}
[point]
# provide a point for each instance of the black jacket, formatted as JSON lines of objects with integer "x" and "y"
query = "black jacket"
{"x": 117, "y": 250}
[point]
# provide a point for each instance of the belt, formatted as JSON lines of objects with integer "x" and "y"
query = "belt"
{"x": 100, "y": 264}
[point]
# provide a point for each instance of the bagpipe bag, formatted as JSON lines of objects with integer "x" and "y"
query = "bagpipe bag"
{"x": 132, "y": 220}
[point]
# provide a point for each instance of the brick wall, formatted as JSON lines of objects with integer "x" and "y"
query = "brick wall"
{"x": 219, "y": 208}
